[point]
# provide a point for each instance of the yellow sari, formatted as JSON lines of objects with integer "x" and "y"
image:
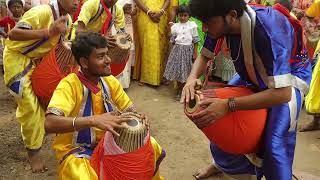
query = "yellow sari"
{"x": 151, "y": 46}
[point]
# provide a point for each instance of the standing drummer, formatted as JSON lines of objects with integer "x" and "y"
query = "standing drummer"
{"x": 276, "y": 64}
{"x": 38, "y": 31}
{"x": 80, "y": 110}
{"x": 99, "y": 16}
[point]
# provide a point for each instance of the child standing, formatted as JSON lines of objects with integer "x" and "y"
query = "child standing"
{"x": 8, "y": 22}
{"x": 184, "y": 38}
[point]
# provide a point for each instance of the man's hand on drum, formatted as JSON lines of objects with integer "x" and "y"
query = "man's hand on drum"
{"x": 216, "y": 109}
{"x": 189, "y": 90}
{"x": 58, "y": 27}
{"x": 109, "y": 122}
{"x": 111, "y": 41}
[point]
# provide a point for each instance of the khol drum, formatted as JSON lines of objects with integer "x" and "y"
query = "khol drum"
{"x": 237, "y": 132}
{"x": 53, "y": 67}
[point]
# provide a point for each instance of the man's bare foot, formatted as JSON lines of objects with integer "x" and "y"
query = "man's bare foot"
{"x": 141, "y": 83}
{"x": 36, "y": 161}
{"x": 313, "y": 126}
{"x": 206, "y": 172}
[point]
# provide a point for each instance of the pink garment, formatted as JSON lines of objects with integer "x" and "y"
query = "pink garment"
{"x": 33, "y": 3}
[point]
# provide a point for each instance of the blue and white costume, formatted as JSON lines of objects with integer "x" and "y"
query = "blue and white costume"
{"x": 272, "y": 46}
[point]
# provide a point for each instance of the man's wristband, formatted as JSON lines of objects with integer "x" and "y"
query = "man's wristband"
{"x": 232, "y": 104}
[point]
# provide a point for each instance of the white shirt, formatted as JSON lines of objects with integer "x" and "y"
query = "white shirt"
{"x": 184, "y": 33}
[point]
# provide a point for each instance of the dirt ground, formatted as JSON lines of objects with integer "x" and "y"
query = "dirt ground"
{"x": 187, "y": 148}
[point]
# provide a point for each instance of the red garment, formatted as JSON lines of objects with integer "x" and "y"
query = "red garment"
{"x": 297, "y": 26}
{"x": 77, "y": 13}
{"x": 107, "y": 22}
{"x": 134, "y": 165}
{"x": 8, "y": 23}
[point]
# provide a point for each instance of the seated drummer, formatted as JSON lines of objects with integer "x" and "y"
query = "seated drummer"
{"x": 85, "y": 102}
{"x": 282, "y": 76}
{"x": 98, "y": 16}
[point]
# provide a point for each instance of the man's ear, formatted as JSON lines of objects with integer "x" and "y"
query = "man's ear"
{"x": 83, "y": 62}
{"x": 233, "y": 15}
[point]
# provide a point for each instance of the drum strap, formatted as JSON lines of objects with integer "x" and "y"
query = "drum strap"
{"x": 98, "y": 14}
{"x": 210, "y": 64}
{"x": 37, "y": 44}
{"x": 108, "y": 22}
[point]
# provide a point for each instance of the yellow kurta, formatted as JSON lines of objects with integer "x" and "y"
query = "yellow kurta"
{"x": 67, "y": 100}
{"x": 151, "y": 46}
{"x": 29, "y": 113}
{"x": 89, "y": 15}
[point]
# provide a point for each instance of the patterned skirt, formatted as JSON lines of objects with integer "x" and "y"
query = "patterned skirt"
{"x": 179, "y": 63}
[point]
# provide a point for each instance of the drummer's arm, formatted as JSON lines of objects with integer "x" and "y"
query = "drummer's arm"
{"x": 88, "y": 10}
{"x": 264, "y": 99}
{"x": 25, "y": 32}
{"x": 18, "y": 34}
{"x": 199, "y": 67}
{"x": 62, "y": 124}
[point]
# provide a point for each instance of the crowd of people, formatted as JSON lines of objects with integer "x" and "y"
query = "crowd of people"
{"x": 269, "y": 46}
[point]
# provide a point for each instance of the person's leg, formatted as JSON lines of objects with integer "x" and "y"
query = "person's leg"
{"x": 73, "y": 168}
{"x": 159, "y": 155}
{"x": 180, "y": 86}
{"x": 31, "y": 117}
{"x": 231, "y": 165}
{"x": 280, "y": 138}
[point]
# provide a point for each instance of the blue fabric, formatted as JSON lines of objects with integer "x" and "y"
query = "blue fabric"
{"x": 279, "y": 142}
{"x": 15, "y": 87}
{"x": 109, "y": 106}
{"x": 273, "y": 38}
{"x": 231, "y": 164}
{"x": 84, "y": 135}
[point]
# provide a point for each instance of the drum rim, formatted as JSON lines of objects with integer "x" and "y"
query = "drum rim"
{"x": 195, "y": 108}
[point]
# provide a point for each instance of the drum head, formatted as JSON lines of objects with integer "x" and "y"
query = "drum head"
{"x": 122, "y": 41}
{"x": 193, "y": 105}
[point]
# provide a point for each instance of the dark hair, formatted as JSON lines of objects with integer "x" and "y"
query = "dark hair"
{"x": 206, "y": 9}
{"x": 11, "y": 2}
{"x": 183, "y": 9}
{"x": 84, "y": 44}
{"x": 285, "y": 3}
